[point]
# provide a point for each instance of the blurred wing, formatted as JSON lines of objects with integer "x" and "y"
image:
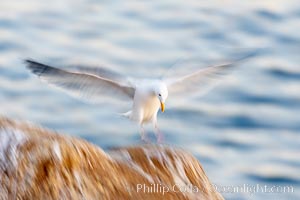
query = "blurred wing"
{"x": 90, "y": 87}
{"x": 197, "y": 82}
{"x": 201, "y": 81}
{"x": 102, "y": 72}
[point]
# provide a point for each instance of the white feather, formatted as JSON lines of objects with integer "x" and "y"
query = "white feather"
{"x": 84, "y": 85}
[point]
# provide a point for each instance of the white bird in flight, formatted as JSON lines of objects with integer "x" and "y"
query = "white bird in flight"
{"x": 147, "y": 95}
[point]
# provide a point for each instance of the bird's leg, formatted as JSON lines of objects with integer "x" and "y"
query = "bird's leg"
{"x": 158, "y": 133}
{"x": 143, "y": 134}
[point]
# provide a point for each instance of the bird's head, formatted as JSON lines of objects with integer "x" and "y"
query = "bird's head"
{"x": 161, "y": 92}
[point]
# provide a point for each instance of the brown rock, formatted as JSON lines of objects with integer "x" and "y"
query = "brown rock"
{"x": 39, "y": 164}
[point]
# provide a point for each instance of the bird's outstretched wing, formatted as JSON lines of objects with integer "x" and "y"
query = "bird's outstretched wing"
{"x": 102, "y": 72}
{"x": 195, "y": 82}
{"x": 93, "y": 88}
{"x": 198, "y": 82}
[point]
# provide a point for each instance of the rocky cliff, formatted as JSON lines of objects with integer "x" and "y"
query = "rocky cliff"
{"x": 38, "y": 164}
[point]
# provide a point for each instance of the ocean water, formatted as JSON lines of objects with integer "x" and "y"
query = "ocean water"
{"x": 245, "y": 132}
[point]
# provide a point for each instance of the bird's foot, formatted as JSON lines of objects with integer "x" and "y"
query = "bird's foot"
{"x": 160, "y": 137}
{"x": 145, "y": 139}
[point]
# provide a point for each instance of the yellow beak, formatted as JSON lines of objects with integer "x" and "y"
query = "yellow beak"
{"x": 162, "y": 107}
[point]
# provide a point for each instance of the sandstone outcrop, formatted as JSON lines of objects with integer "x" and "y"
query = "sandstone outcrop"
{"x": 38, "y": 164}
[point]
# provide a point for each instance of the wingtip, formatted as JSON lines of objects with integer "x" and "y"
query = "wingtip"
{"x": 40, "y": 69}
{"x": 249, "y": 55}
{"x": 29, "y": 63}
{"x": 35, "y": 67}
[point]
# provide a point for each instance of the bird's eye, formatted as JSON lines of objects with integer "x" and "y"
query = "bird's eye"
{"x": 159, "y": 95}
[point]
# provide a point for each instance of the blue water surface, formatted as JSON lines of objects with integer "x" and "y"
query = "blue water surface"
{"x": 246, "y": 131}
